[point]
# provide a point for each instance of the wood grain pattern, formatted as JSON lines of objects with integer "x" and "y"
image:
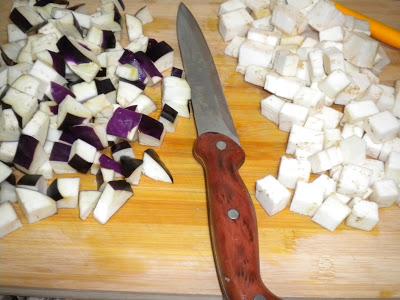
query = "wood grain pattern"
{"x": 158, "y": 243}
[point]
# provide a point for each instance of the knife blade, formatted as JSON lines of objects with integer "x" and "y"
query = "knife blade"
{"x": 231, "y": 214}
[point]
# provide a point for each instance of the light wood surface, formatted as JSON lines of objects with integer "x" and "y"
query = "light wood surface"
{"x": 158, "y": 243}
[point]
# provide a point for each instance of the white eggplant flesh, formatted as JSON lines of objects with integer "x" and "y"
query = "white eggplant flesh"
{"x": 9, "y": 126}
{"x": 29, "y": 85}
{"x": 134, "y": 27}
{"x": 9, "y": 220}
{"x": 5, "y": 171}
{"x": 38, "y": 127}
{"x": 65, "y": 191}
{"x": 144, "y": 15}
{"x": 144, "y": 104}
{"x": 33, "y": 182}
{"x": 23, "y": 104}
{"x": 84, "y": 91}
{"x": 154, "y": 168}
{"x": 87, "y": 203}
{"x": 7, "y": 151}
{"x": 7, "y": 192}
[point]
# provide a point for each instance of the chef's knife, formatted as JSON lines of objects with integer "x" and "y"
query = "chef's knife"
{"x": 232, "y": 219}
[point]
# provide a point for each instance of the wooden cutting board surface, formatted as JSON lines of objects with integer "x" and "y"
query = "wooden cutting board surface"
{"x": 158, "y": 243}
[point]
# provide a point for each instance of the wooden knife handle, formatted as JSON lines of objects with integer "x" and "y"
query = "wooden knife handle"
{"x": 232, "y": 219}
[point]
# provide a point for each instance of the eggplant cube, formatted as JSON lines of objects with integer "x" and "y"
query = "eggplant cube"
{"x": 84, "y": 90}
{"x": 292, "y": 114}
{"x": 33, "y": 182}
{"x": 82, "y": 156}
{"x": 154, "y": 167}
{"x": 134, "y": 27}
{"x": 256, "y": 75}
{"x": 234, "y": 23}
{"x": 122, "y": 149}
{"x": 5, "y": 171}
{"x": 127, "y": 92}
{"x": 334, "y": 83}
{"x": 230, "y": 5}
{"x": 87, "y": 203}
{"x": 132, "y": 169}
{"x": 38, "y": 126}
{"x": 364, "y": 215}
{"x": 46, "y": 75}
{"x": 151, "y": 131}
{"x": 169, "y": 118}
{"x": 144, "y": 104}
{"x": 354, "y": 180}
{"x": 144, "y": 15}
{"x": 23, "y": 105}
{"x": 272, "y": 195}
{"x": 271, "y": 107}
{"x": 292, "y": 170}
{"x": 7, "y": 192}
{"x": 65, "y": 192}
{"x": 124, "y": 123}
{"x": 175, "y": 89}
{"x": 353, "y": 150}
{"x": 59, "y": 157}
{"x": 307, "y": 198}
{"x": 232, "y": 49}
{"x": 327, "y": 184}
{"x": 254, "y": 53}
{"x": 331, "y": 213}
{"x": 9, "y": 221}
{"x": 288, "y": 19}
{"x": 71, "y": 113}
{"x": 360, "y": 49}
{"x": 382, "y": 127}
{"x": 385, "y": 192}
{"x": 36, "y": 206}
{"x": 114, "y": 196}
{"x": 30, "y": 155}
{"x": 304, "y": 142}
{"x": 392, "y": 166}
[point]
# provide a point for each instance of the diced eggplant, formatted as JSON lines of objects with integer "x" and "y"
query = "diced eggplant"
{"x": 144, "y": 15}
{"x": 169, "y": 118}
{"x": 177, "y": 72}
{"x": 149, "y": 67}
{"x": 134, "y": 27}
{"x": 59, "y": 158}
{"x": 94, "y": 134}
{"x": 129, "y": 58}
{"x": 84, "y": 90}
{"x": 87, "y": 203}
{"x": 154, "y": 168}
{"x": 114, "y": 196}
{"x": 17, "y": 70}
{"x": 109, "y": 40}
{"x": 175, "y": 89}
{"x": 5, "y": 171}
{"x": 37, "y": 127}
{"x": 162, "y": 55}
{"x": 67, "y": 137}
{"x": 124, "y": 123}
{"x": 36, "y": 206}
{"x": 82, "y": 156}
{"x": 29, "y": 85}
{"x": 122, "y": 149}
{"x": 30, "y": 155}
{"x": 23, "y": 105}
{"x": 128, "y": 91}
{"x": 59, "y": 92}
{"x": 9, "y": 126}
{"x": 108, "y": 163}
{"x": 71, "y": 113}
{"x": 58, "y": 62}
{"x": 15, "y": 34}
{"x": 97, "y": 104}
{"x": 103, "y": 176}
{"x": 33, "y": 182}
{"x": 7, "y": 192}
{"x": 144, "y": 104}
{"x": 127, "y": 72}
{"x": 139, "y": 44}
{"x": 9, "y": 221}
{"x": 107, "y": 88}
{"x": 65, "y": 192}
{"x": 151, "y": 131}
{"x": 7, "y": 151}
{"x": 108, "y": 21}
{"x": 132, "y": 169}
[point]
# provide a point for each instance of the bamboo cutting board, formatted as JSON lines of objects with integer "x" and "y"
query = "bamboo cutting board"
{"x": 157, "y": 246}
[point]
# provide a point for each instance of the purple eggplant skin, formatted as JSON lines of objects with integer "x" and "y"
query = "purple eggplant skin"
{"x": 53, "y": 192}
{"x": 132, "y": 107}
{"x": 155, "y": 52}
{"x": 129, "y": 165}
{"x": 70, "y": 53}
{"x": 104, "y": 86}
{"x": 60, "y": 152}
{"x": 30, "y": 180}
{"x": 102, "y": 73}
{"x": 151, "y": 43}
{"x": 109, "y": 40}
{"x": 25, "y": 151}
{"x": 11, "y": 179}
{"x": 87, "y": 134}
{"x": 77, "y": 25}
{"x": 153, "y": 154}
{"x": 147, "y": 64}
{"x": 117, "y": 15}
{"x": 68, "y": 137}
{"x": 54, "y": 109}
{"x": 177, "y": 72}
{"x": 20, "y": 21}
{"x": 109, "y": 163}
{"x": 120, "y": 146}
{"x": 151, "y": 127}
{"x": 122, "y": 122}
{"x": 122, "y": 4}
{"x": 69, "y": 121}
{"x": 99, "y": 179}
{"x": 79, "y": 164}
{"x": 58, "y": 63}
{"x": 128, "y": 57}
{"x": 169, "y": 113}
{"x": 121, "y": 185}
{"x": 59, "y": 92}
{"x": 42, "y": 3}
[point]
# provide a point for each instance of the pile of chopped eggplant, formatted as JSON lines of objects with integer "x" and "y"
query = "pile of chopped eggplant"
{"x": 310, "y": 56}
{"x": 70, "y": 92}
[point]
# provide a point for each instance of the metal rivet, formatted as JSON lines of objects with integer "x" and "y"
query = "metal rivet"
{"x": 233, "y": 214}
{"x": 221, "y": 145}
{"x": 259, "y": 297}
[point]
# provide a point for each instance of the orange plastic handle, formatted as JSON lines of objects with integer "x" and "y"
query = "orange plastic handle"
{"x": 379, "y": 31}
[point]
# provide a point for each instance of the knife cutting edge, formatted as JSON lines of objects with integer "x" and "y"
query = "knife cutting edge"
{"x": 232, "y": 218}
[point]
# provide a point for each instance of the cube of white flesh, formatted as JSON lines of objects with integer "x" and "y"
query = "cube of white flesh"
{"x": 97, "y": 104}
{"x": 38, "y": 126}
{"x": 46, "y": 170}
{"x": 36, "y": 206}
{"x": 291, "y": 114}
{"x": 364, "y": 215}
{"x": 256, "y": 5}
{"x": 327, "y": 184}
{"x": 385, "y": 192}
{"x": 330, "y": 116}
{"x": 353, "y": 150}
{"x": 304, "y": 142}
{"x": 359, "y": 84}
{"x": 300, "y": 4}
{"x": 127, "y": 72}
{"x": 70, "y": 106}
{"x": 272, "y": 195}
{"x": 9, "y": 126}
{"x": 87, "y": 203}
{"x": 386, "y": 102}
{"x": 373, "y": 149}
{"x": 326, "y": 159}
{"x": 69, "y": 190}
{"x": 263, "y": 23}
{"x": 377, "y": 167}
{"x": 15, "y": 34}
{"x": 254, "y": 53}
{"x": 144, "y": 104}
{"x": 29, "y": 85}
{"x": 324, "y": 15}
{"x": 292, "y": 170}
{"x": 284, "y": 87}
{"x": 232, "y": 49}
{"x": 334, "y": 173}
{"x": 314, "y": 123}
{"x": 230, "y": 5}
{"x": 334, "y": 83}
{"x": 389, "y": 147}
{"x": 361, "y": 26}
{"x": 84, "y": 90}
{"x": 46, "y": 74}
{"x": 349, "y": 130}
{"x": 7, "y": 151}
{"x": 139, "y": 44}
{"x": 5, "y": 171}
{"x": 270, "y": 38}
{"x": 339, "y": 197}
{"x": 44, "y": 42}
{"x": 23, "y": 104}
{"x": 84, "y": 150}
{"x": 332, "y": 137}
{"x": 354, "y": 180}
{"x": 292, "y": 40}
{"x": 234, "y": 23}
{"x": 175, "y": 89}
{"x": 307, "y": 198}
{"x": 334, "y": 34}
{"x": 359, "y": 111}
{"x": 392, "y": 166}
{"x": 86, "y": 71}
{"x": 3, "y": 76}
{"x": 288, "y": 19}
{"x": 126, "y": 93}
{"x": 94, "y": 36}
{"x": 316, "y": 63}
{"x": 134, "y": 27}
{"x": 382, "y": 127}
{"x": 271, "y": 107}
{"x": 309, "y": 97}
{"x": 373, "y": 93}
{"x": 9, "y": 220}
{"x": 331, "y": 213}
{"x": 303, "y": 73}
{"x": 360, "y": 50}
{"x": 333, "y": 60}
{"x": 396, "y": 107}
{"x": 285, "y": 63}
{"x": 256, "y": 75}
{"x": 381, "y": 61}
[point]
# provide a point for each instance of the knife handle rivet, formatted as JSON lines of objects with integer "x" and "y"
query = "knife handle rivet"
{"x": 221, "y": 145}
{"x": 233, "y": 214}
{"x": 259, "y": 297}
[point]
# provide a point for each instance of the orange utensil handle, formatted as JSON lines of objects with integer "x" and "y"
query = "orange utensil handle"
{"x": 379, "y": 31}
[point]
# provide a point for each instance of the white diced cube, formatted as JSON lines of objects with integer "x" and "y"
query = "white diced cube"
{"x": 334, "y": 34}
{"x": 377, "y": 167}
{"x": 270, "y": 38}
{"x": 382, "y": 126}
{"x": 9, "y": 221}
{"x": 336, "y": 82}
{"x": 292, "y": 40}
{"x": 381, "y": 61}
{"x": 292, "y": 170}
{"x": 389, "y": 147}
{"x": 386, "y": 102}
{"x": 332, "y": 137}
{"x": 303, "y": 72}
{"x": 300, "y": 4}
{"x": 316, "y": 63}
{"x": 373, "y": 93}
{"x": 324, "y": 15}
{"x": 304, "y": 142}
{"x": 357, "y": 111}
{"x": 330, "y": 116}
{"x": 254, "y": 53}
{"x": 392, "y": 166}
{"x": 360, "y": 50}
{"x": 263, "y": 23}
{"x": 349, "y": 130}
{"x": 339, "y": 197}
{"x": 364, "y": 215}
{"x": 327, "y": 184}
{"x": 335, "y": 172}
{"x": 230, "y": 5}
{"x": 314, "y": 123}
{"x": 373, "y": 149}
{"x": 272, "y": 195}
{"x": 234, "y": 23}
{"x": 385, "y": 192}
{"x": 353, "y": 150}
{"x": 333, "y": 60}
{"x": 331, "y": 213}
{"x": 285, "y": 87}
{"x": 285, "y": 63}
{"x": 271, "y": 107}
{"x": 288, "y": 19}
{"x": 309, "y": 97}
{"x": 396, "y": 107}
{"x": 359, "y": 84}
{"x": 326, "y": 159}
{"x": 354, "y": 180}
{"x": 361, "y": 26}
{"x": 307, "y": 199}
{"x": 309, "y": 43}
{"x": 291, "y": 114}
{"x": 256, "y": 75}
